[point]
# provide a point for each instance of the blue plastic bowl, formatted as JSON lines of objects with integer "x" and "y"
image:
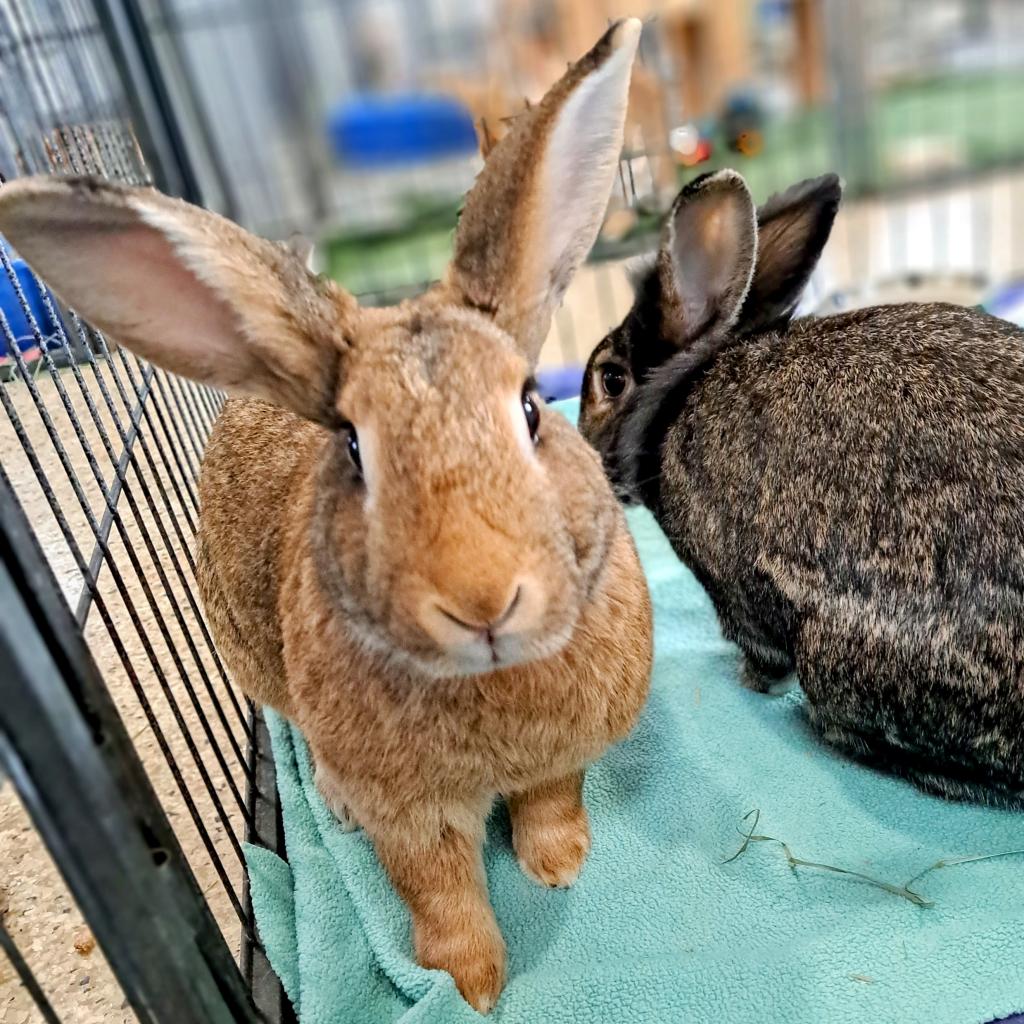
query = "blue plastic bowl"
{"x": 378, "y": 131}
{"x": 13, "y": 312}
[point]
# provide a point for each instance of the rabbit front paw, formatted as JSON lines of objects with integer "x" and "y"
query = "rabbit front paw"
{"x": 551, "y": 832}
{"x": 555, "y": 858}
{"x": 474, "y": 957}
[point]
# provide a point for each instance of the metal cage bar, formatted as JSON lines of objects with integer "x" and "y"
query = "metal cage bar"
{"x": 64, "y": 745}
{"x": 112, "y": 447}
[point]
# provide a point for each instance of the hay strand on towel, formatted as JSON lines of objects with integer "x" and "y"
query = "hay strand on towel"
{"x": 797, "y": 862}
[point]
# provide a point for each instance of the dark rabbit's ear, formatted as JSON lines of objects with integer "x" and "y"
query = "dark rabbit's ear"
{"x": 707, "y": 257}
{"x": 792, "y": 229}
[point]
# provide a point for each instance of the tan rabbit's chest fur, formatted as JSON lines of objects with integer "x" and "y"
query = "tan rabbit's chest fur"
{"x": 395, "y": 741}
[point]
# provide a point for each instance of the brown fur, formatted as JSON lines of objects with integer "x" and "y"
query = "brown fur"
{"x": 463, "y": 618}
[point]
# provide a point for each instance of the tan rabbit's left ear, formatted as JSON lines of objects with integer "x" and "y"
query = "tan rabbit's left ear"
{"x": 536, "y": 208}
{"x": 186, "y": 289}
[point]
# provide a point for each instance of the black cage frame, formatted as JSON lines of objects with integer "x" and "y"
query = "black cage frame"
{"x": 63, "y": 741}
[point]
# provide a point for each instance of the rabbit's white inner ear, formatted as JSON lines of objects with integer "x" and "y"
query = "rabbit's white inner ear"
{"x": 183, "y": 288}
{"x": 579, "y": 169}
{"x": 152, "y": 301}
{"x": 711, "y": 246}
{"x": 537, "y": 205}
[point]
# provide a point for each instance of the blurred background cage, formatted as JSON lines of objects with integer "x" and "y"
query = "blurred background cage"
{"x": 135, "y": 771}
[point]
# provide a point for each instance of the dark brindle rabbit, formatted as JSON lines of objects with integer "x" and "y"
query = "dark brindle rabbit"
{"x": 850, "y": 490}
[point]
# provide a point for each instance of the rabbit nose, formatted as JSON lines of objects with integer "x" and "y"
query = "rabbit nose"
{"x": 478, "y": 619}
{"x": 454, "y": 620}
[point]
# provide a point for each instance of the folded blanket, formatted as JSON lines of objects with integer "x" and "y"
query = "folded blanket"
{"x": 662, "y": 926}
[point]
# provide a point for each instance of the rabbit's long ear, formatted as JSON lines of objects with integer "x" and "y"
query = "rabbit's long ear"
{"x": 792, "y": 229}
{"x": 536, "y": 208}
{"x": 184, "y": 288}
{"x": 706, "y": 259}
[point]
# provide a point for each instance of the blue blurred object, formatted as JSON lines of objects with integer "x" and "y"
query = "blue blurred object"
{"x": 13, "y": 312}
{"x": 377, "y": 131}
{"x": 558, "y": 382}
{"x": 774, "y": 12}
{"x": 1007, "y": 302}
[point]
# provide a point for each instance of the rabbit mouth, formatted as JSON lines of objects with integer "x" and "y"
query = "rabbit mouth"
{"x": 392, "y": 638}
{"x": 479, "y": 657}
{"x": 494, "y": 654}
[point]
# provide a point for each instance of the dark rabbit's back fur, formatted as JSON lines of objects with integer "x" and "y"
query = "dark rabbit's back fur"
{"x": 850, "y": 491}
{"x": 867, "y": 474}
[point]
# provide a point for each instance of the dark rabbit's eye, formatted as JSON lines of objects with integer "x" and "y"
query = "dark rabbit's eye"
{"x": 613, "y": 380}
{"x": 531, "y": 410}
{"x": 352, "y": 444}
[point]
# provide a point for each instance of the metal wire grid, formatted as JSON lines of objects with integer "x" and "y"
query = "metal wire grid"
{"x": 146, "y": 426}
{"x": 59, "y": 108}
{"x": 77, "y": 768}
{"x": 115, "y": 466}
{"x": 103, "y": 452}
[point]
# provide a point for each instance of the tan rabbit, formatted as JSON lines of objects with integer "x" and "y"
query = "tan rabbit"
{"x": 401, "y": 549}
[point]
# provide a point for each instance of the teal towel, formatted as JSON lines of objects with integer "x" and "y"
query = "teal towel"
{"x": 659, "y": 929}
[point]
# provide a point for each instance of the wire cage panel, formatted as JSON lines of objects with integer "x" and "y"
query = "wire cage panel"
{"x": 100, "y": 455}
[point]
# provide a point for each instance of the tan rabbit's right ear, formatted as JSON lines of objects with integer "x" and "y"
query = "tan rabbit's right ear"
{"x": 184, "y": 288}
{"x": 534, "y": 212}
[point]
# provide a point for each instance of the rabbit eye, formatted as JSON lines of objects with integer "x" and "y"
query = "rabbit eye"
{"x": 613, "y": 380}
{"x": 352, "y": 444}
{"x": 531, "y": 410}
